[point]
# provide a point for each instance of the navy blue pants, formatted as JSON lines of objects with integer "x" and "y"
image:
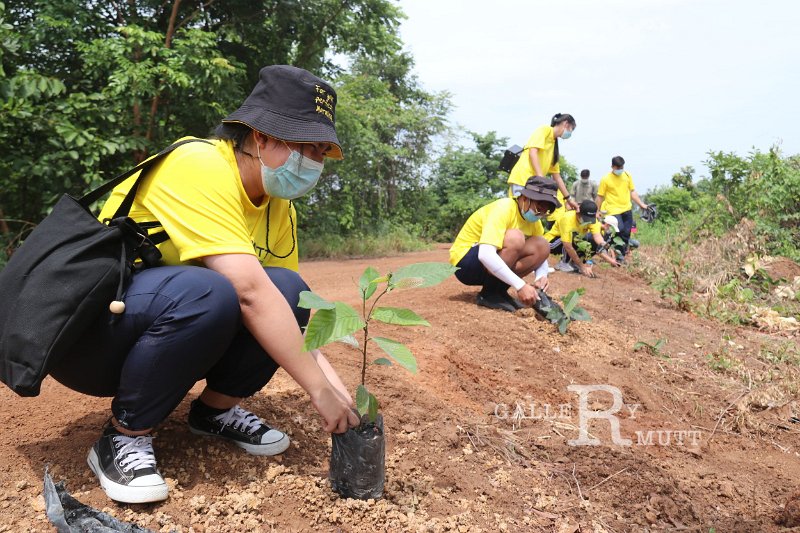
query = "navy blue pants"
{"x": 181, "y": 325}
{"x": 472, "y": 272}
{"x": 625, "y": 225}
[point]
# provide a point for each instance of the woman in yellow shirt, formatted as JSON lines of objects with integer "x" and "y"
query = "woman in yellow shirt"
{"x": 540, "y": 158}
{"x": 223, "y": 307}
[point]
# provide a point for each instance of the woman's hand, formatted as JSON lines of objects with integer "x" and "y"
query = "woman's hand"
{"x": 527, "y": 294}
{"x": 542, "y": 283}
{"x": 338, "y": 416}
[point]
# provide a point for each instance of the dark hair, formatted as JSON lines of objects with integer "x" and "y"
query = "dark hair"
{"x": 233, "y": 131}
{"x": 617, "y": 161}
{"x": 558, "y": 118}
{"x": 585, "y": 173}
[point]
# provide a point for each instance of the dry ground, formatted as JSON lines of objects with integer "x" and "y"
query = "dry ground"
{"x": 453, "y": 464}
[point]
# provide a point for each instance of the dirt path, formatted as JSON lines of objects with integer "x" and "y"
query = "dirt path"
{"x": 478, "y": 440}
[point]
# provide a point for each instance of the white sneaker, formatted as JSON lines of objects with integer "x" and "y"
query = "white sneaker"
{"x": 126, "y": 468}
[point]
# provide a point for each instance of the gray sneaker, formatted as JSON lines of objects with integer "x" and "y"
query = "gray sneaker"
{"x": 561, "y": 266}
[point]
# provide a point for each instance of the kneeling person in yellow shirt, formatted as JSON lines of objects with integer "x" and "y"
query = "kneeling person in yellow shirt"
{"x": 502, "y": 242}
{"x": 584, "y": 224}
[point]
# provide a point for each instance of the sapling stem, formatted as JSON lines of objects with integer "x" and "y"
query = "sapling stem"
{"x": 367, "y": 318}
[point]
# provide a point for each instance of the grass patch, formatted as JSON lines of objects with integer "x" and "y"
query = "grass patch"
{"x": 332, "y": 246}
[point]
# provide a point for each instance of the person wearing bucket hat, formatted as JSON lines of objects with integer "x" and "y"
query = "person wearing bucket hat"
{"x": 502, "y": 242}
{"x": 223, "y": 307}
{"x": 584, "y": 225}
{"x": 540, "y": 157}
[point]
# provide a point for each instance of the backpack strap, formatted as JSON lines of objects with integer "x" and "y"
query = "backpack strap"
{"x": 144, "y": 166}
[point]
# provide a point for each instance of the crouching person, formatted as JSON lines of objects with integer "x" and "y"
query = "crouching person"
{"x": 502, "y": 242}
{"x": 582, "y": 224}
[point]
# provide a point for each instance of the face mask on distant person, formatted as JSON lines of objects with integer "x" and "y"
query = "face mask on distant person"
{"x": 566, "y": 135}
{"x": 618, "y": 171}
{"x": 291, "y": 180}
{"x": 530, "y": 216}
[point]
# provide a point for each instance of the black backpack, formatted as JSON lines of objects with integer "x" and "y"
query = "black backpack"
{"x": 65, "y": 275}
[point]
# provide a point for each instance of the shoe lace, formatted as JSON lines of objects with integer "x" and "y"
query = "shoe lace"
{"x": 137, "y": 451}
{"x": 240, "y": 420}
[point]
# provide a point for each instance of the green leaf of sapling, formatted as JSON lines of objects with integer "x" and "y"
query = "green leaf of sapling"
{"x": 399, "y": 316}
{"x": 367, "y": 282}
{"x": 382, "y": 361}
{"x": 399, "y": 352}
{"x": 579, "y": 313}
{"x": 328, "y": 325}
{"x": 310, "y": 300}
{"x": 350, "y": 340}
{"x": 362, "y": 400}
{"x": 372, "y": 408}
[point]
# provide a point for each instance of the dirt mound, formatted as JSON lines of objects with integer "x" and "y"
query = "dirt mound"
{"x": 487, "y": 437}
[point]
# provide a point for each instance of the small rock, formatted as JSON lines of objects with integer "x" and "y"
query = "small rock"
{"x": 727, "y": 489}
{"x": 38, "y": 503}
{"x": 651, "y": 517}
{"x": 22, "y": 484}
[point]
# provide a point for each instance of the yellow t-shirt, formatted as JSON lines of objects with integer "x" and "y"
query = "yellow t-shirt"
{"x": 616, "y": 193}
{"x": 488, "y": 225}
{"x": 544, "y": 141}
{"x": 566, "y": 227}
{"x": 197, "y": 195}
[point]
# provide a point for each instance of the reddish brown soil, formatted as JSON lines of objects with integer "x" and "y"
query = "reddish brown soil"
{"x": 452, "y": 465}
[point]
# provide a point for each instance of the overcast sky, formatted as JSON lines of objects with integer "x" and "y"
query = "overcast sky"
{"x": 660, "y": 82}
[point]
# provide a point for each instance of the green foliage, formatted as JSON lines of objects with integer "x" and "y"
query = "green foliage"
{"x": 786, "y": 352}
{"x": 570, "y": 311}
{"x": 683, "y": 179}
{"x": 90, "y": 88}
{"x": 331, "y": 246}
{"x": 463, "y": 180}
{"x": 720, "y": 362}
{"x": 673, "y": 203}
{"x": 762, "y": 187}
{"x": 653, "y": 348}
{"x": 337, "y": 321}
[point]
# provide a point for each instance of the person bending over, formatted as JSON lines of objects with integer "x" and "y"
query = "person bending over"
{"x": 502, "y": 242}
{"x": 572, "y": 228}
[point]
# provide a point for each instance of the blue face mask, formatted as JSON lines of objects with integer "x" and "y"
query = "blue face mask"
{"x": 566, "y": 135}
{"x": 530, "y": 216}
{"x": 291, "y": 180}
{"x": 618, "y": 171}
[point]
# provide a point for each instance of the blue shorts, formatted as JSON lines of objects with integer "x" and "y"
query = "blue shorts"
{"x": 472, "y": 272}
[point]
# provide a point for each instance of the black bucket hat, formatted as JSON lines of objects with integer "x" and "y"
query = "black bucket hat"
{"x": 293, "y": 105}
{"x": 541, "y": 190}
{"x": 587, "y": 211}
